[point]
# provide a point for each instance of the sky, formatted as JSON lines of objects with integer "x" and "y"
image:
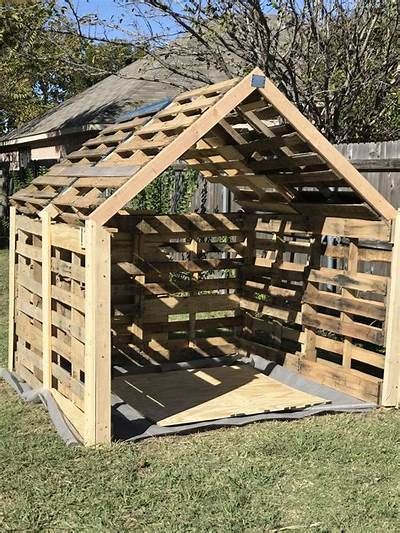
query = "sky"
{"x": 111, "y": 11}
{"x": 105, "y": 9}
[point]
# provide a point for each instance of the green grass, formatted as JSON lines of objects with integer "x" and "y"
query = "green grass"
{"x": 332, "y": 473}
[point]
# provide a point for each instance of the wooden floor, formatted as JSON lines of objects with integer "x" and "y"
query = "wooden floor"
{"x": 187, "y": 396}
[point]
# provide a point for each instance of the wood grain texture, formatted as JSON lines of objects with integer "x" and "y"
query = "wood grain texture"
{"x": 97, "y": 336}
{"x": 187, "y": 396}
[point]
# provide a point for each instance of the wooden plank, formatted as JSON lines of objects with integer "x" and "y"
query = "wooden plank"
{"x": 334, "y": 325}
{"x": 222, "y": 87}
{"x": 67, "y": 237}
{"x": 346, "y": 380}
{"x": 258, "y": 306}
{"x": 391, "y": 380}
{"x": 339, "y": 164}
{"x": 46, "y": 299}
{"x": 336, "y": 301}
{"x": 27, "y": 308}
{"x": 309, "y": 346}
{"x": 28, "y": 225}
{"x": 11, "y": 287}
{"x": 26, "y": 330}
{"x": 171, "y": 305}
{"x": 27, "y": 375}
{"x": 173, "y": 151}
{"x": 67, "y": 298}
{"x": 352, "y": 267}
{"x": 208, "y": 394}
{"x": 70, "y": 411}
{"x": 184, "y": 325}
{"x": 346, "y": 227}
{"x": 95, "y": 171}
{"x": 28, "y": 250}
{"x": 68, "y": 270}
{"x": 197, "y": 104}
{"x": 97, "y": 335}
{"x": 357, "y": 281}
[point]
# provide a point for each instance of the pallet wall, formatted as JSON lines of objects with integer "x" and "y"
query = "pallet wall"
{"x": 308, "y": 293}
{"x": 67, "y": 342}
{"x": 55, "y": 361}
{"x": 318, "y": 301}
{"x": 311, "y": 294}
{"x": 175, "y": 282}
{"x": 28, "y": 301}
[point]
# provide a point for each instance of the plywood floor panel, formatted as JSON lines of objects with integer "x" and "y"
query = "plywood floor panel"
{"x": 189, "y": 396}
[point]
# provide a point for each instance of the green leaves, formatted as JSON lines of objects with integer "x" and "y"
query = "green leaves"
{"x": 172, "y": 191}
{"x": 44, "y": 59}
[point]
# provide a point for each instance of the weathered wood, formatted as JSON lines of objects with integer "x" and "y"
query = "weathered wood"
{"x": 333, "y": 324}
{"x": 347, "y": 380}
{"x": 73, "y": 413}
{"x": 67, "y": 237}
{"x": 174, "y": 150}
{"x": 95, "y": 172}
{"x": 352, "y": 266}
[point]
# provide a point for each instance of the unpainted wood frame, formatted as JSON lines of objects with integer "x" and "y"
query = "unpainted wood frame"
{"x": 97, "y": 399}
{"x": 211, "y": 117}
{"x": 174, "y": 150}
{"x": 94, "y": 424}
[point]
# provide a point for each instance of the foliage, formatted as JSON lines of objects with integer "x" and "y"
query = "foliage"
{"x": 337, "y": 60}
{"x": 44, "y": 59}
{"x": 170, "y": 192}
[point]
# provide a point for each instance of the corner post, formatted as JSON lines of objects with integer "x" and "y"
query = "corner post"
{"x": 391, "y": 377}
{"x": 97, "y": 399}
{"x": 11, "y": 297}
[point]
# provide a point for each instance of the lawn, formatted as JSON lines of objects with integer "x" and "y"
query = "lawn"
{"x": 331, "y": 473}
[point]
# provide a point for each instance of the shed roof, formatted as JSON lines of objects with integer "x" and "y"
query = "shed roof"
{"x": 243, "y": 133}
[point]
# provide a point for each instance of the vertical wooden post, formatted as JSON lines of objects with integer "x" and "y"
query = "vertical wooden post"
{"x": 193, "y": 247}
{"x": 11, "y": 297}
{"x": 352, "y": 268}
{"x": 247, "y": 329}
{"x": 46, "y": 299}
{"x": 391, "y": 377}
{"x": 309, "y": 350}
{"x": 137, "y": 326}
{"x": 97, "y": 399}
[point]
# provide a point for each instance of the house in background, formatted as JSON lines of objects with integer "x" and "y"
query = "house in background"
{"x": 46, "y": 139}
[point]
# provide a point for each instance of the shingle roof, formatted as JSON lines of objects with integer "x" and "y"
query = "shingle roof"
{"x": 143, "y": 81}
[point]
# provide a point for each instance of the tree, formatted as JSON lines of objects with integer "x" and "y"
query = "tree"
{"x": 336, "y": 59}
{"x": 44, "y": 59}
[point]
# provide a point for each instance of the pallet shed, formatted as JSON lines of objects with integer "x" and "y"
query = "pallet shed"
{"x": 303, "y": 274}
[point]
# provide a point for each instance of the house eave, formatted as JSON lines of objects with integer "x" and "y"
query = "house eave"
{"x": 52, "y": 134}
